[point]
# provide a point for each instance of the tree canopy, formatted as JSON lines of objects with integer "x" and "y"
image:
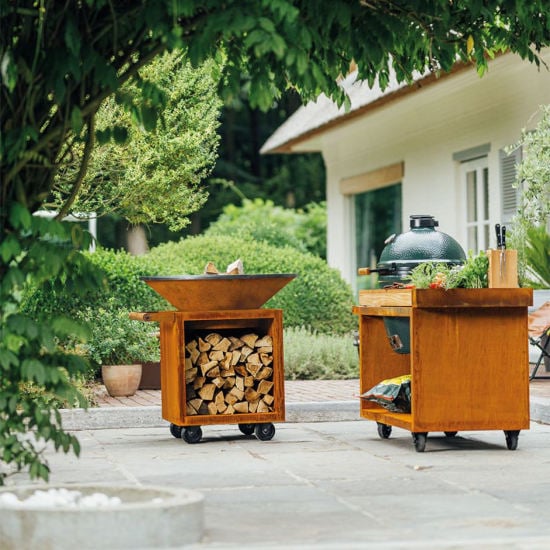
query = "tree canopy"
{"x": 60, "y": 61}
{"x": 153, "y": 176}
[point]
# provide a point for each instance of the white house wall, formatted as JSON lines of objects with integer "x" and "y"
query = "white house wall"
{"x": 424, "y": 130}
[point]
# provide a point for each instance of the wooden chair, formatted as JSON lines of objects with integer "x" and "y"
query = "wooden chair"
{"x": 539, "y": 335}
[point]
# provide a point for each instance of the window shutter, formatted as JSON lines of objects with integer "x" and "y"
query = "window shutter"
{"x": 508, "y": 192}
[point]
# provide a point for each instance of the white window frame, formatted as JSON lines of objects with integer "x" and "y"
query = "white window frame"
{"x": 477, "y": 229}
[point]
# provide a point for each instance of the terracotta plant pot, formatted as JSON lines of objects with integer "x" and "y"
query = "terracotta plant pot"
{"x": 121, "y": 380}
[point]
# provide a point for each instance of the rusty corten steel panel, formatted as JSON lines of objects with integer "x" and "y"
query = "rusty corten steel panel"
{"x": 218, "y": 292}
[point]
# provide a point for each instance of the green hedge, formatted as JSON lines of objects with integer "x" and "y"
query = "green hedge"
{"x": 260, "y": 220}
{"x": 122, "y": 288}
{"x": 318, "y": 298}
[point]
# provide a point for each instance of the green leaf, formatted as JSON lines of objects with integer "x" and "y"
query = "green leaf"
{"x": 149, "y": 118}
{"x": 20, "y": 217}
{"x": 8, "y": 71}
{"x": 33, "y": 369}
{"x": 9, "y": 248}
{"x": 302, "y": 62}
{"x": 7, "y": 359}
{"x": 72, "y": 36}
{"x": 76, "y": 120}
{"x": 120, "y": 134}
{"x": 266, "y": 24}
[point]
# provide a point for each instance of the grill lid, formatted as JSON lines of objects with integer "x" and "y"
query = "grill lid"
{"x": 422, "y": 243}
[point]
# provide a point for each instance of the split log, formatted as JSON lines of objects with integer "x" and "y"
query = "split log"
{"x": 240, "y": 370}
{"x": 190, "y": 375}
{"x": 211, "y": 269}
{"x": 253, "y": 368}
{"x": 266, "y": 358}
{"x": 236, "y": 343}
{"x": 204, "y": 346}
{"x": 254, "y": 359}
{"x": 207, "y": 392}
{"x": 262, "y": 407}
{"x": 265, "y": 386}
{"x": 265, "y": 372}
{"x": 213, "y": 338}
{"x": 216, "y": 355}
{"x": 241, "y": 407}
{"x": 249, "y": 339}
{"x": 264, "y": 341}
{"x": 205, "y": 367}
{"x": 223, "y": 345}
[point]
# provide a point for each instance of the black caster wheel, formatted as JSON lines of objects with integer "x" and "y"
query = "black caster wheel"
{"x": 175, "y": 430}
{"x": 384, "y": 431}
{"x": 247, "y": 429}
{"x": 192, "y": 434}
{"x": 265, "y": 432}
{"x": 419, "y": 441}
{"x": 511, "y": 439}
{"x": 450, "y": 434}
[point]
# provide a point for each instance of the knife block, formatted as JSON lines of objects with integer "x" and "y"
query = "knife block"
{"x": 503, "y": 268}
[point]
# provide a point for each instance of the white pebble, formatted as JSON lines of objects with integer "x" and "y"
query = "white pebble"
{"x": 55, "y": 498}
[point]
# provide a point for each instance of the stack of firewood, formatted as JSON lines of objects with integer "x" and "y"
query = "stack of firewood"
{"x": 229, "y": 374}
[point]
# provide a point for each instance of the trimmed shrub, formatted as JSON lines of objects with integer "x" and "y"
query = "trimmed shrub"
{"x": 260, "y": 220}
{"x": 318, "y": 298}
{"x": 122, "y": 289}
{"x": 312, "y": 356}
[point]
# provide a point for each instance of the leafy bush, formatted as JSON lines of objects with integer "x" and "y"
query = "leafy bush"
{"x": 116, "y": 339}
{"x": 318, "y": 298}
{"x": 263, "y": 221}
{"x": 313, "y": 356}
{"x": 121, "y": 288}
{"x": 112, "y": 335}
{"x": 537, "y": 257}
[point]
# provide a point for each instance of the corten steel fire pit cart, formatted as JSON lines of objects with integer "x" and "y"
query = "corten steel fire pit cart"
{"x": 221, "y": 353}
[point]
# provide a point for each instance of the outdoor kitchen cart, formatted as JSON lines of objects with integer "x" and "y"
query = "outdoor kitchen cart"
{"x": 468, "y": 359}
{"x": 211, "y": 371}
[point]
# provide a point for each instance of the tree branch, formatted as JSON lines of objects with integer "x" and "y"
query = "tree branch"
{"x": 64, "y": 210}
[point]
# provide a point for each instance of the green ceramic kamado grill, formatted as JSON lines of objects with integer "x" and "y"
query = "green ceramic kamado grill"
{"x": 402, "y": 253}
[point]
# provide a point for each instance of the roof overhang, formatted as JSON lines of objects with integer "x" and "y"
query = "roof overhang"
{"x": 301, "y": 127}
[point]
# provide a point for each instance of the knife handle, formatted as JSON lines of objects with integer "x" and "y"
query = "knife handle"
{"x": 503, "y": 237}
{"x": 499, "y": 236}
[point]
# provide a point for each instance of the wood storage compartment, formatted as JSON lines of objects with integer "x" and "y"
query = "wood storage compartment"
{"x": 221, "y": 366}
{"x": 468, "y": 360}
{"x": 228, "y": 372}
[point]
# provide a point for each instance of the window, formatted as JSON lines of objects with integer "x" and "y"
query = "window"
{"x": 475, "y": 180}
{"x": 377, "y": 216}
{"x": 509, "y": 193}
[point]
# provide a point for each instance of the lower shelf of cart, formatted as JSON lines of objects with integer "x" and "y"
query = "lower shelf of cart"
{"x": 409, "y": 422}
{"x": 401, "y": 420}
{"x": 212, "y": 419}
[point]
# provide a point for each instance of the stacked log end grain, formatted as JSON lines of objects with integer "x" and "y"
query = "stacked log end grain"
{"x": 229, "y": 374}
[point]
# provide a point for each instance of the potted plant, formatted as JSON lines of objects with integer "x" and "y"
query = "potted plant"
{"x": 119, "y": 345}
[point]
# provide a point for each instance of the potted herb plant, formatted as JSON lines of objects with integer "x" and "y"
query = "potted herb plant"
{"x": 119, "y": 346}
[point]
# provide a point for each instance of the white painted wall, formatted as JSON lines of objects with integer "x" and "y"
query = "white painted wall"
{"x": 424, "y": 129}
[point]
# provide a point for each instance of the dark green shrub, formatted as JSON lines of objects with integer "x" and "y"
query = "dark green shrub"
{"x": 260, "y": 220}
{"x": 318, "y": 298}
{"x": 105, "y": 310}
{"x": 122, "y": 288}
